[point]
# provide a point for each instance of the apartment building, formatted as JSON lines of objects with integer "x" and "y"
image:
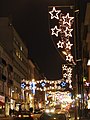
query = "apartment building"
{"x": 13, "y": 64}
{"x": 86, "y": 49}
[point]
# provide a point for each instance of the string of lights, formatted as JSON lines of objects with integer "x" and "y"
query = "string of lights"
{"x": 63, "y": 30}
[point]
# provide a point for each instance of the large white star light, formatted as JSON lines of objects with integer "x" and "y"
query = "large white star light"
{"x": 69, "y": 57}
{"x": 56, "y": 13}
{"x": 67, "y": 20}
{"x": 68, "y": 45}
{"x": 55, "y": 31}
{"x": 68, "y": 32}
{"x": 60, "y": 44}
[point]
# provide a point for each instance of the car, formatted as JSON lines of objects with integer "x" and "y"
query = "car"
{"x": 23, "y": 115}
{"x": 52, "y": 116}
{"x": 37, "y": 111}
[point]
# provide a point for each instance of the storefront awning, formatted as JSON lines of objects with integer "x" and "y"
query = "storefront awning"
{"x": 2, "y": 104}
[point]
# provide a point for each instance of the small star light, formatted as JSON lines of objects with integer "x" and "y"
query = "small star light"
{"x": 23, "y": 85}
{"x": 63, "y": 84}
{"x": 64, "y": 67}
{"x": 69, "y": 75}
{"x": 68, "y": 45}
{"x": 65, "y": 75}
{"x": 69, "y": 57}
{"x": 69, "y": 70}
{"x": 67, "y": 20}
{"x": 60, "y": 44}
{"x": 56, "y": 12}
{"x": 68, "y": 32}
{"x": 43, "y": 84}
{"x": 55, "y": 31}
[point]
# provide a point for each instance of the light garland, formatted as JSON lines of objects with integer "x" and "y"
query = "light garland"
{"x": 67, "y": 74}
{"x": 65, "y": 23}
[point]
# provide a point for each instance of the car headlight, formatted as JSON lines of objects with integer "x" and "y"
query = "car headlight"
{"x": 19, "y": 115}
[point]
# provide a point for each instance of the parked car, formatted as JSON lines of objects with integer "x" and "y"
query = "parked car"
{"x": 52, "y": 116}
{"x": 23, "y": 115}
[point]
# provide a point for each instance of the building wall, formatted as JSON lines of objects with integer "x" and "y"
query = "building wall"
{"x": 87, "y": 24}
{"x": 6, "y": 35}
{"x": 15, "y": 54}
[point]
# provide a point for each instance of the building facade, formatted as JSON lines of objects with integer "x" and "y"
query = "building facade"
{"x": 86, "y": 49}
{"x": 13, "y": 66}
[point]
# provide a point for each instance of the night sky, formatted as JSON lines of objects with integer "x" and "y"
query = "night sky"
{"x": 30, "y": 19}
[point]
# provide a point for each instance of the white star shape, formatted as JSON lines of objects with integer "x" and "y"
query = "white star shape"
{"x": 68, "y": 32}
{"x": 56, "y": 15}
{"x": 65, "y": 75}
{"x": 60, "y": 44}
{"x": 67, "y": 20}
{"x": 69, "y": 75}
{"x": 64, "y": 67}
{"x": 69, "y": 57}
{"x": 68, "y": 45}
{"x": 69, "y": 70}
{"x": 55, "y": 29}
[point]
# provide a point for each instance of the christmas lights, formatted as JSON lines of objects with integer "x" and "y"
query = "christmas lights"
{"x": 55, "y": 31}
{"x": 60, "y": 44}
{"x": 67, "y": 20}
{"x": 68, "y": 45}
{"x": 56, "y": 12}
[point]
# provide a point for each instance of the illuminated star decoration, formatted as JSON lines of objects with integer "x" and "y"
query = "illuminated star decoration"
{"x": 43, "y": 84}
{"x": 64, "y": 67}
{"x": 63, "y": 84}
{"x": 68, "y": 32}
{"x": 69, "y": 57}
{"x": 67, "y": 20}
{"x": 55, "y": 11}
{"x": 55, "y": 31}
{"x": 68, "y": 45}
{"x": 60, "y": 44}
{"x": 23, "y": 85}
{"x": 67, "y": 74}
{"x": 69, "y": 70}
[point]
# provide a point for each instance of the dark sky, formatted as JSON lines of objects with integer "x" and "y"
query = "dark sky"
{"x": 30, "y": 19}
